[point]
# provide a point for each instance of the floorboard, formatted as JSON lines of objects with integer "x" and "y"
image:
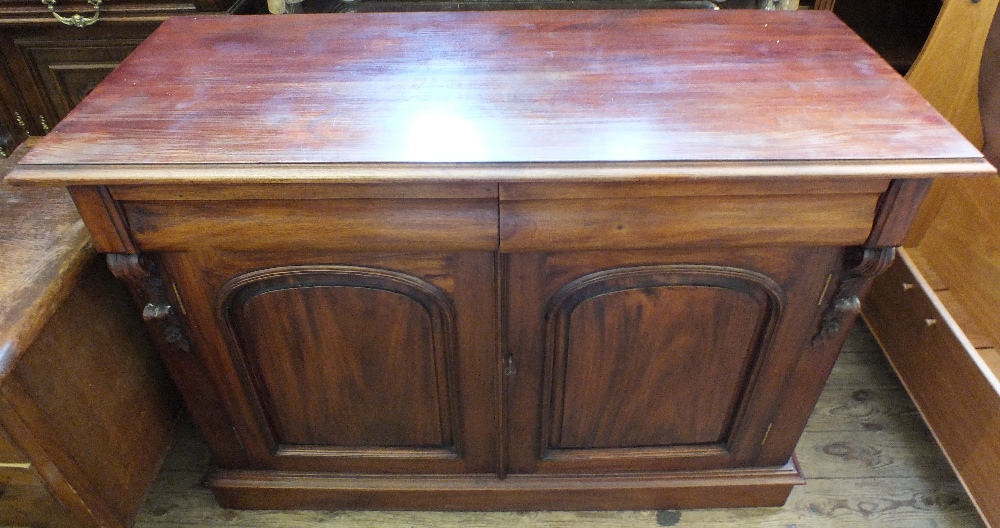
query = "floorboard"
{"x": 868, "y": 458}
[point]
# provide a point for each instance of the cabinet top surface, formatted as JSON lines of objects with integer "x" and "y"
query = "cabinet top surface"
{"x": 510, "y": 87}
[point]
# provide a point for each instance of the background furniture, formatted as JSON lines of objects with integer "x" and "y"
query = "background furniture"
{"x": 86, "y": 409}
{"x": 49, "y": 66}
{"x": 897, "y": 29}
{"x": 937, "y": 311}
{"x": 502, "y": 260}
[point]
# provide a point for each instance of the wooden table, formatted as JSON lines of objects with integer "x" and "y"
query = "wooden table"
{"x": 504, "y": 260}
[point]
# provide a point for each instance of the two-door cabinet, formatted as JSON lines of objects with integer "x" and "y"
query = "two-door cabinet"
{"x": 501, "y": 260}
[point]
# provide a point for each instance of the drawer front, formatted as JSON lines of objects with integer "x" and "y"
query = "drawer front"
{"x": 368, "y": 225}
{"x": 652, "y": 222}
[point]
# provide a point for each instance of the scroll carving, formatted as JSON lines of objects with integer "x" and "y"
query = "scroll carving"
{"x": 139, "y": 272}
{"x": 861, "y": 265}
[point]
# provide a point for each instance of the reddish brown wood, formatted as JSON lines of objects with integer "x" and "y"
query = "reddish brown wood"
{"x": 718, "y": 489}
{"x": 377, "y": 342}
{"x": 640, "y": 222}
{"x": 292, "y": 410}
{"x": 69, "y": 413}
{"x": 744, "y": 383}
{"x": 502, "y": 260}
{"x": 149, "y": 289}
{"x": 526, "y": 86}
{"x": 357, "y": 225}
{"x": 621, "y": 377}
{"x": 896, "y": 212}
{"x": 45, "y": 248}
{"x": 95, "y": 206}
{"x": 49, "y": 67}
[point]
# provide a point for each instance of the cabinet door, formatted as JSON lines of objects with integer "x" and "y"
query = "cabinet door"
{"x": 354, "y": 363}
{"x": 661, "y": 360}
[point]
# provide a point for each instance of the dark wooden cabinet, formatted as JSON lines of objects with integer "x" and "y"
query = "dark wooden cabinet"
{"x": 464, "y": 261}
{"x": 49, "y": 66}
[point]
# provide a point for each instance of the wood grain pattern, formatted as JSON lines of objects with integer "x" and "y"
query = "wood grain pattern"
{"x": 98, "y": 210}
{"x": 896, "y": 211}
{"x": 463, "y": 173}
{"x": 589, "y": 86}
{"x": 97, "y": 410}
{"x": 48, "y": 67}
{"x": 111, "y": 405}
{"x": 354, "y": 225}
{"x": 309, "y": 191}
{"x": 533, "y": 280}
{"x": 462, "y": 401}
{"x": 621, "y": 350}
{"x": 946, "y": 73}
{"x": 962, "y": 249}
{"x": 961, "y": 403}
{"x": 147, "y": 281}
{"x": 87, "y": 410}
{"x": 545, "y": 225}
{"x": 372, "y": 344}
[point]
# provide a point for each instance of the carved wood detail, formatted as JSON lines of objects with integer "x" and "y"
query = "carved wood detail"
{"x": 140, "y": 273}
{"x": 646, "y": 299}
{"x": 379, "y": 341}
{"x": 861, "y": 265}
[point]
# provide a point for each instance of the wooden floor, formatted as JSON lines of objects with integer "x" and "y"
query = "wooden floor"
{"x": 867, "y": 456}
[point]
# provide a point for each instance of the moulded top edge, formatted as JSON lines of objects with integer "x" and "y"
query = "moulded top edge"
{"x": 197, "y": 174}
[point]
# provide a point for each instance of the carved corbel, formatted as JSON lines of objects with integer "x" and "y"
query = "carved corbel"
{"x": 139, "y": 272}
{"x": 861, "y": 265}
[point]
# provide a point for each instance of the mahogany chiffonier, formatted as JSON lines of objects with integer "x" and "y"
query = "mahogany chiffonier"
{"x": 501, "y": 260}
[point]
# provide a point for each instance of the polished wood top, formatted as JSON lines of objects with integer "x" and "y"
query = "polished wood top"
{"x": 740, "y": 88}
